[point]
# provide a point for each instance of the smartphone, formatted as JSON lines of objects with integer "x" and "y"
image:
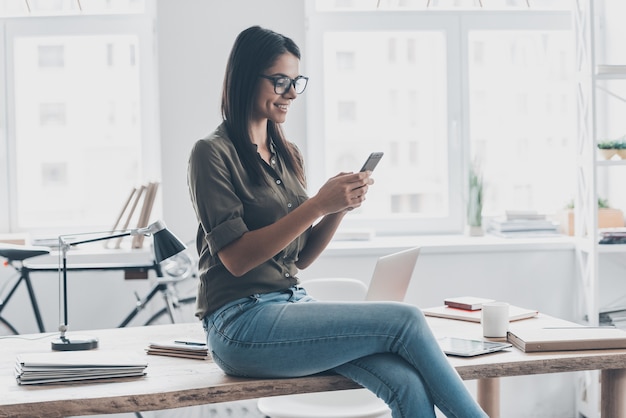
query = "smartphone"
{"x": 372, "y": 161}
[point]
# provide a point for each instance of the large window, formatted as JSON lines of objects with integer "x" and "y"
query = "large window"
{"x": 80, "y": 129}
{"x": 438, "y": 90}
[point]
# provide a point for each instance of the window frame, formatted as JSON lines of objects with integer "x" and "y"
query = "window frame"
{"x": 4, "y": 146}
{"x": 141, "y": 25}
{"x": 457, "y": 24}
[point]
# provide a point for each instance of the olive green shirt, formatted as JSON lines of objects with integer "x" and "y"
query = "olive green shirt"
{"x": 228, "y": 204}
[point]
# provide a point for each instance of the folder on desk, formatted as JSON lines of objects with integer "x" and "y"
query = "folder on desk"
{"x": 566, "y": 338}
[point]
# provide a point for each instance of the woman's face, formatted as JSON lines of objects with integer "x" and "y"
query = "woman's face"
{"x": 268, "y": 104}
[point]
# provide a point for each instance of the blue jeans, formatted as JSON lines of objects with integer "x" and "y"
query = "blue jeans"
{"x": 386, "y": 347}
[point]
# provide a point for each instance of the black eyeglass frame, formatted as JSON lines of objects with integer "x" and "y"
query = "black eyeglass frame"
{"x": 292, "y": 82}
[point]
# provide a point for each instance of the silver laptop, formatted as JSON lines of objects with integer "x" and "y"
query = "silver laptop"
{"x": 392, "y": 276}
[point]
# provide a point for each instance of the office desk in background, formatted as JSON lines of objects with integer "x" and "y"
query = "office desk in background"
{"x": 173, "y": 382}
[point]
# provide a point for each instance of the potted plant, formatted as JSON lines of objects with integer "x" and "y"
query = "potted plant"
{"x": 608, "y": 217}
{"x": 607, "y": 149}
{"x": 475, "y": 202}
{"x": 620, "y": 147}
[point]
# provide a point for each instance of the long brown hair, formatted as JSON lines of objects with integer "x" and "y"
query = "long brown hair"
{"x": 255, "y": 50}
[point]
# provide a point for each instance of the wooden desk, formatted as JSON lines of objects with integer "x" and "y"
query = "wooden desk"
{"x": 173, "y": 382}
{"x": 489, "y": 368}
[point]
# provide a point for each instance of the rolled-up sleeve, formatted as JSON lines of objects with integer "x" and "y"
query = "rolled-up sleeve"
{"x": 218, "y": 207}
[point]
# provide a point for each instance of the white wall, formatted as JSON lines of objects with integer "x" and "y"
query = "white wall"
{"x": 194, "y": 40}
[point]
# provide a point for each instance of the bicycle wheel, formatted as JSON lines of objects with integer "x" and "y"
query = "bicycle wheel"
{"x": 184, "y": 311}
{"x": 6, "y": 328}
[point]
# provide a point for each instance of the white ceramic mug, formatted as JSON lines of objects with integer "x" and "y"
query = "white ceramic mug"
{"x": 495, "y": 319}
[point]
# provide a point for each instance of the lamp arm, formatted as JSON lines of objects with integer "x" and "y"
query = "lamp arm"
{"x": 106, "y": 237}
{"x": 65, "y": 246}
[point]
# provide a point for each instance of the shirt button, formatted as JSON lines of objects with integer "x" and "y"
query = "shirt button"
{"x": 289, "y": 205}
{"x": 278, "y": 181}
{"x": 287, "y": 275}
{"x": 273, "y": 161}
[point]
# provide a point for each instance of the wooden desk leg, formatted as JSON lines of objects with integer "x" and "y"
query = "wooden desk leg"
{"x": 488, "y": 394}
{"x": 613, "y": 393}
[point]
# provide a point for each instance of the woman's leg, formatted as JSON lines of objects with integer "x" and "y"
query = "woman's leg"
{"x": 282, "y": 335}
{"x": 393, "y": 380}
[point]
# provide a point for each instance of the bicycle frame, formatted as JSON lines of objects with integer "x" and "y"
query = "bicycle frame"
{"x": 24, "y": 276}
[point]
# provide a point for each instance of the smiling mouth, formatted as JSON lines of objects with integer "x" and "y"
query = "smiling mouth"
{"x": 283, "y": 107}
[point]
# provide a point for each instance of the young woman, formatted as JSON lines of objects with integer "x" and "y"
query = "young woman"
{"x": 258, "y": 227}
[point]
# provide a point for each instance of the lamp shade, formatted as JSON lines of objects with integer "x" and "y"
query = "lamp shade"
{"x": 166, "y": 245}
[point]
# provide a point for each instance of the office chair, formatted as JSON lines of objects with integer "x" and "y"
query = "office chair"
{"x": 356, "y": 403}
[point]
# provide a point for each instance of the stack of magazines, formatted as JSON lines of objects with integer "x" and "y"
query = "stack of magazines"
{"x": 523, "y": 224}
{"x": 180, "y": 348}
{"x": 72, "y": 366}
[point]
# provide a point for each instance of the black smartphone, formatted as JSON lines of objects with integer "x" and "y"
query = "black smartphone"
{"x": 372, "y": 161}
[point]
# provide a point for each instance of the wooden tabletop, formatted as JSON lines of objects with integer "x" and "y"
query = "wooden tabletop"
{"x": 174, "y": 382}
{"x": 169, "y": 383}
{"x": 514, "y": 362}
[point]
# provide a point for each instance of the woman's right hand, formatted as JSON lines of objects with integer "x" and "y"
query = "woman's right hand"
{"x": 343, "y": 192}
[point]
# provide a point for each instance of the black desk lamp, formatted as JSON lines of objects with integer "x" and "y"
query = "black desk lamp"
{"x": 165, "y": 246}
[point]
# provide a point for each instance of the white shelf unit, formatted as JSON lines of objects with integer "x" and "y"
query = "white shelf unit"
{"x": 593, "y": 79}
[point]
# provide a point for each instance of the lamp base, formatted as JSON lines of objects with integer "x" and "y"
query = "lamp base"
{"x": 74, "y": 343}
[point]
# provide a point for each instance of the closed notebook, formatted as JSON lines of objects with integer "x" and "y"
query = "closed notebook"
{"x": 469, "y": 303}
{"x": 532, "y": 340}
{"x": 515, "y": 313}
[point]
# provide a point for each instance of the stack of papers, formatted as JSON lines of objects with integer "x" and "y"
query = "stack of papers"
{"x": 523, "y": 224}
{"x": 71, "y": 366}
{"x": 180, "y": 348}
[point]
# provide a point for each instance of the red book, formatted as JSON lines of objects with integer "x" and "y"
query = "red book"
{"x": 469, "y": 303}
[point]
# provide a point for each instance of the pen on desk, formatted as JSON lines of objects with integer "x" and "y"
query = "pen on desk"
{"x": 188, "y": 342}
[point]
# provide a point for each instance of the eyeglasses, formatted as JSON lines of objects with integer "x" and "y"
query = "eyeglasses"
{"x": 282, "y": 84}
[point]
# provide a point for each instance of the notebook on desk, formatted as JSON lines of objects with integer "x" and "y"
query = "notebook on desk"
{"x": 566, "y": 338}
{"x": 515, "y": 313}
{"x": 392, "y": 275}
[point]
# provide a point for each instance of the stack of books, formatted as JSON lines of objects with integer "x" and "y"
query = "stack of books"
{"x": 469, "y": 303}
{"x": 612, "y": 236}
{"x": 72, "y": 366}
{"x": 615, "y": 318}
{"x": 523, "y": 224}
{"x": 179, "y": 348}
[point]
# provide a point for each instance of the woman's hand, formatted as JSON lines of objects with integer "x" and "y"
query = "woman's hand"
{"x": 343, "y": 192}
{"x": 339, "y": 194}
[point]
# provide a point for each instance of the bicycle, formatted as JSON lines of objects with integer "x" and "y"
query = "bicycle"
{"x": 15, "y": 256}
{"x": 179, "y": 304}
{"x": 171, "y": 275}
